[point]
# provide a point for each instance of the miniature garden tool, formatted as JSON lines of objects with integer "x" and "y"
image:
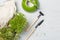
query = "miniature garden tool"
{"x": 33, "y": 30}
{"x": 35, "y": 20}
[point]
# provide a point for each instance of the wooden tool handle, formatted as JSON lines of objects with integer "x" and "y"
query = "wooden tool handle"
{"x": 28, "y": 36}
{"x": 35, "y": 20}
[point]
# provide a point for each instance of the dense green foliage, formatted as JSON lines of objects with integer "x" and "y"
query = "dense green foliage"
{"x": 15, "y": 26}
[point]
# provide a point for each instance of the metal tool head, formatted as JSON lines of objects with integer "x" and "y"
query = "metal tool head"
{"x": 41, "y": 13}
{"x": 39, "y": 23}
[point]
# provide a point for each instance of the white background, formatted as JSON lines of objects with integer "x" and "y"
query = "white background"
{"x": 50, "y": 29}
